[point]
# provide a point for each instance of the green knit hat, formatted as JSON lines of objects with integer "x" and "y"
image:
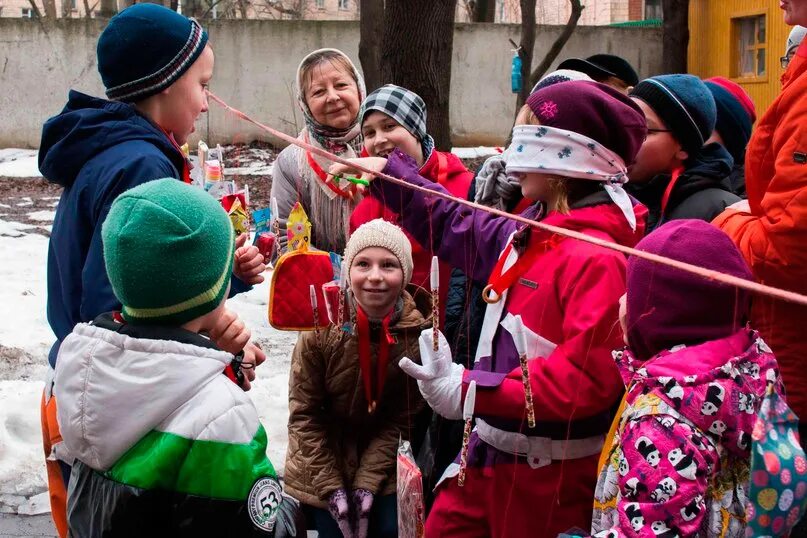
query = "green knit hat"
{"x": 168, "y": 249}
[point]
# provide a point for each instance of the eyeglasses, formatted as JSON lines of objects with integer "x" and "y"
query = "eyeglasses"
{"x": 785, "y": 61}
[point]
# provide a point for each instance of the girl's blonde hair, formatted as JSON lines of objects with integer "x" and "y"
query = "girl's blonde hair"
{"x": 336, "y": 59}
{"x": 565, "y": 191}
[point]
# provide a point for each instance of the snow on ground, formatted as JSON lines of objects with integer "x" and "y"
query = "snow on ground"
{"x": 19, "y": 163}
{"x": 25, "y": 338}
{"x": 43, "y": 215}
{"x": 475, "y": 153}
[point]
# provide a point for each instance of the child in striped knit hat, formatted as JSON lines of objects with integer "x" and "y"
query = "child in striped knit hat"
{"x": 165, "y": 441}
{"x": 155, "y": 65}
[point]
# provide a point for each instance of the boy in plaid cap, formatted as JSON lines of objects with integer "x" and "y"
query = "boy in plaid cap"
{"x": 155, "y": 65}
{"x": 394, "y": 117}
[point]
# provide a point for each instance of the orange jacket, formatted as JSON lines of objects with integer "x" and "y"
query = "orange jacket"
{"x": 773, "y": 236}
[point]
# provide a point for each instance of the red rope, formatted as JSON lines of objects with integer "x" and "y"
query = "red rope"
{"x": 708, "y": 274}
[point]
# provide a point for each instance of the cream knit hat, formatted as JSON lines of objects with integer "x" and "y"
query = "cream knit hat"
{"x": 380, "y": 233}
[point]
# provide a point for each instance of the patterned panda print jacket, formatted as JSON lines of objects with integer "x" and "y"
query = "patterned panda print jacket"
{"x": 679, "y": 461}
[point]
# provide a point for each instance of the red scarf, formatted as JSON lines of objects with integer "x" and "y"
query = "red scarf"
{"x": 186, "y": 165}
{"x": 322, "y": 175}
{"x": 501, "y": 281}
{"x": 372, "y": 394}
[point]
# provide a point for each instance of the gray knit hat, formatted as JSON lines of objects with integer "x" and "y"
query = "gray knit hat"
{"x": 383, "y": 234}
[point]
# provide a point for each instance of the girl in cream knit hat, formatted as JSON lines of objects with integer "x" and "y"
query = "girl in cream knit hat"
{"x": 349, "y": 402}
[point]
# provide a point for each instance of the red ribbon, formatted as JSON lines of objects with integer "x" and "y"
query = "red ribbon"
{"x": 365, "y": 358}
{"x": 670, "y": 186}
{"x": 500, "y": 281}
{"x": 323, "y": 176}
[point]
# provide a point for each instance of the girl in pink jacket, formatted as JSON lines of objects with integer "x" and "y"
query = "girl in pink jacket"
{"x": 695, "y": 376}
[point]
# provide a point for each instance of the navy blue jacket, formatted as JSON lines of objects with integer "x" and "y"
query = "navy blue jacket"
{"x": 95, "y": 149}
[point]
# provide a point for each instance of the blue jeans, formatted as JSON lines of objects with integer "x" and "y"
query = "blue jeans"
{"x": 383, "y": 519}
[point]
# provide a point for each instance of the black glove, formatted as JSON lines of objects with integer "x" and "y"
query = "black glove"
{"x": 290, "y": 521}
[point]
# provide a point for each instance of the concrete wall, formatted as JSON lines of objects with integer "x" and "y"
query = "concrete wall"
{"x": 256, "y": 62}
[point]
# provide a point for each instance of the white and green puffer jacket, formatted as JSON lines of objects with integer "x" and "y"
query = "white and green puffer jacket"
{"x": 164, "y": 444}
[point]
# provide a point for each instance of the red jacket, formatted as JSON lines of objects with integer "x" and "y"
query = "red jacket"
{"x": 773, "y": 236}
{"x": 569, "y": 300}
{"x": 447, "y": 170}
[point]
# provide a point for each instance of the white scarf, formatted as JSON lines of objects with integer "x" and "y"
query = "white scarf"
{"x": 552, "y": 151}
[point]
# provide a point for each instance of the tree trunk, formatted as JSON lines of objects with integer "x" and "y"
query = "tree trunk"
{"x": 484, "y": 11}
{"x": 123, "y": 4}
{"x": 371, "y": 27}
{"x": 526, "y": 47}
{"x": 560, "y": 42}
{"x": 108, "y": 8}
{"x": 192, "y": 8}
{"x": 50, "y": 8}
{"x": 416, "y": 54}
{"x": 35, "y": 9}
{"x": 676, "y": 35}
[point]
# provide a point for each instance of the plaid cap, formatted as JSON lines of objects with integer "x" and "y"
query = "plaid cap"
{"x": 404, "y": 106}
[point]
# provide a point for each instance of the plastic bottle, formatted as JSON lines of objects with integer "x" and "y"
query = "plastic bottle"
{"x": 516, "y": 80}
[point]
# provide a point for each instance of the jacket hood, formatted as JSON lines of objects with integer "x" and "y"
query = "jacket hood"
{"x": 113, "y": 388}
{"x": 666, "y": 306}
{"x": 86, "y": 127}
{"x": 708, "y": 168}
{"x": 717, "y": 386}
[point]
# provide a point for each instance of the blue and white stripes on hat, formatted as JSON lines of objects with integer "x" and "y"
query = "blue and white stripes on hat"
{"x": 405, "y": 107}
{"x": 146, "y": 48}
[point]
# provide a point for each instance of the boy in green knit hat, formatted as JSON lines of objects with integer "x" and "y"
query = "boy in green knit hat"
{"x": 165, "y": 440}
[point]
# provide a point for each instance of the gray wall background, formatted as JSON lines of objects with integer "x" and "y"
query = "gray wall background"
{"x": 256, "y": 63}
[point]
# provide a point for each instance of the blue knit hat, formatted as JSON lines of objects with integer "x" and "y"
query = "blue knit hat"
{"x": 735, "y": 116}
{"x": 684, "y": 104}
{"x": 146, "y": 48}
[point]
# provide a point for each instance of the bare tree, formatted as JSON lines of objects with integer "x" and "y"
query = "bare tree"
{"x": 529, "y": 75}
{"x": 483, "y": 10}
{"x": 416, "y": 53}
{"x": 35, "y": 9}
{"x": 675, "y": 39}
{"x": 49, "y": 8}
{"x": 371, "y": 29}
{"x": 108, "y": 8}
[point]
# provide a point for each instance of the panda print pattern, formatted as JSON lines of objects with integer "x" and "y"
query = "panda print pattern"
{"x": 684, "y": 441}
{"x": 664, "y": 490}
{"x": 662, "y": 529}
{"x": 714, "y": 399}
{"x": 634, "y": 514}
{"x": 648, "y": 451}
{"x": 683, "y": 463}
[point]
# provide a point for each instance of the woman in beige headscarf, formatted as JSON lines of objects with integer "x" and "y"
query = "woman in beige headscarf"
{"x": 329, "y": 91}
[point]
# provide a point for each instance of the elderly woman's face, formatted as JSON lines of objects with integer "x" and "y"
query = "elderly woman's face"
{"x": 795, "y": 11}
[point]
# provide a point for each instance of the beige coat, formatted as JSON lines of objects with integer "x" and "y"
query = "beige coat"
{"x": 334, "y": 442}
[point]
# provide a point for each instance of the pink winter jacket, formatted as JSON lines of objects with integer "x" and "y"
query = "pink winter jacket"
{"x": 679, "y": 461}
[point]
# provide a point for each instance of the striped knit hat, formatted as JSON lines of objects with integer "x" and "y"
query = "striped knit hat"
{"x": 168, "y": 250}
{"x": 684, "y": 104}
{"x": 146, "y": 48}
{"x": 404, "y": 106}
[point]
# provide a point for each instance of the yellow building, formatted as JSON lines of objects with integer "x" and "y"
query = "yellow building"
{"x": 742, "y": 40}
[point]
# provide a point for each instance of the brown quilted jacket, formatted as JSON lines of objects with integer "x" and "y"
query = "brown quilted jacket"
{"x": 334, "y": 442}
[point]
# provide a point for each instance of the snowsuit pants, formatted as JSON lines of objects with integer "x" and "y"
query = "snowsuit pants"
{"x": 514, "y": 500}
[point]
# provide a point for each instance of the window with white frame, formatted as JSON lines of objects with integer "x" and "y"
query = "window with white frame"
{"x": 343, "y": 4}
{"x": 749, "y": 43}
